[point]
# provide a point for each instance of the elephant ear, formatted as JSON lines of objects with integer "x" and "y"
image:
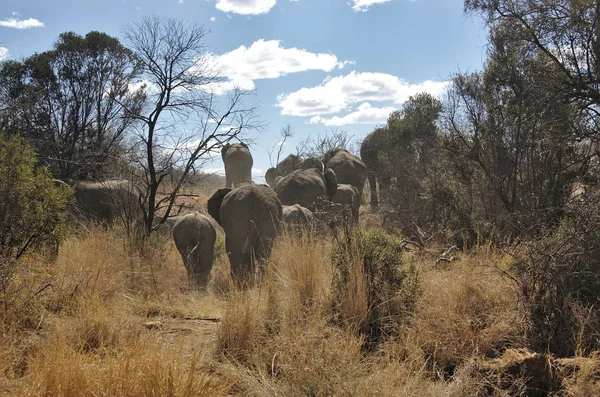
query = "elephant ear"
{"x": 330, "y": 182}
{"x": 270, "y": 176}
{"x": 214, "y": 203}
{"x": 224, "y": 149}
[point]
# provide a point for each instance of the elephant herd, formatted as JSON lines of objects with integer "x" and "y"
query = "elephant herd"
{"x": 251, "y": 215}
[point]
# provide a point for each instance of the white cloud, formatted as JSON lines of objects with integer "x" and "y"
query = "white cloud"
{"x": 364, "y": 5}
{"x": 180, "y": 1}
{"x": 267, "y": 59}
{"x": 365, "y": 114}
{"x": 3, "y": 53}
{"x": 21, "y": 23}
{"x": 16, "y": 14}
{"x": 212, "y": 19}
{"x": 338, "y": 93}
{"x": 246, "y": 7}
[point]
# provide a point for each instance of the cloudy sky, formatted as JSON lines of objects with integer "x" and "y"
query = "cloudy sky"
{"x": 317, "y": 65}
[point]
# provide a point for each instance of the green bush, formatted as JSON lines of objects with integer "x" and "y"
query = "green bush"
{"x": 32, "y": 208}
{"x": 391, "y": 287}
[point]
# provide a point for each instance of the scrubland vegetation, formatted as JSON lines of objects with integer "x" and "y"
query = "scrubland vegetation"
{"x": 478, "y": 273}
{"x": 103, "y": 320}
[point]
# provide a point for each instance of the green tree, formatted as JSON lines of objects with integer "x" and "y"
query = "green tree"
{"x": 519, "y": 137}
{"x": 70, "y": 102}
{"x": 32, "y": 208}
{"x": 565, "y": 32}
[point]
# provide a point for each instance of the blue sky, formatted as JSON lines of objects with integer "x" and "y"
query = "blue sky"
{"x": 317, "y": 65}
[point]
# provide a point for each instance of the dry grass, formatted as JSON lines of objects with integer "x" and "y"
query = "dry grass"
{"x": 103, "y": 321}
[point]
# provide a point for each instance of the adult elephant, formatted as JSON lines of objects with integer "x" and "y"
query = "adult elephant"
{"x": 373, "y": 152}
{"x": 349, "y": 169}
{"x": 297, "y": 218}
{"x": 347, "y": 195}
{"x": 306, "y": 187}
{"x": 107, "y": 201}
{"x": 195, "y": 237}
{"x": 238, "y": 164}
{"x": 289, "y": 164}
{"x": 251, "y": 218}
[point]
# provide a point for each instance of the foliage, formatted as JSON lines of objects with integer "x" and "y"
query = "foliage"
{"x": 564, "y": 32}
{"x": 369, "y": 263}
{"x": 560, "y": 280}
{"x": 70, "y": 102}
{"x": 31, "y": 207}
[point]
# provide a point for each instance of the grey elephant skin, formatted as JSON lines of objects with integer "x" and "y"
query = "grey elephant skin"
{"x": 238, "y": 164}
{"x": 347, "y": 195}
{"x": 297, "y": 219}
{"x": 289, "y": 164}
{"x": 106, "y": 201}
{"x": 251, "y": 217}
{"x": 373, "y": 152}
{"x": 195, "y": 237}
{"x": 306, "y": 187}
{"x": 349, "y": 169}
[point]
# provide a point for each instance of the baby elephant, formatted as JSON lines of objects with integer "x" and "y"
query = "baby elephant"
{"x": 347, "y": 195}
{"x": 195, "y": 236}
{"x": 297, "y": 218}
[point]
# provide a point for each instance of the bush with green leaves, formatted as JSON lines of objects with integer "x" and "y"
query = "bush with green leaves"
{"x": 32, "y": 208}
{"x": 391, "y": 287}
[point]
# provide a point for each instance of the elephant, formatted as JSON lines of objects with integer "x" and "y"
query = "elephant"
{"x": 348, "y": 196}
{"x": 195, "y": 236}
{"x": 373, "y": 153}
{"x": 238, "y": 164}
{"x": 251, "y": 217}
{"x": 348, "y": 168}
{"x": 297, "y": 218}
{"x": 289, "y": 164}
{"x": 107, "y": 201}
{"x": 306, "y": 187}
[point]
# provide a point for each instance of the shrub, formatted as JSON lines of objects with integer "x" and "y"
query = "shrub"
{"x": 32, "y": 209}
{"x": 372, "y": 289}
{"x": 560, "y": 281}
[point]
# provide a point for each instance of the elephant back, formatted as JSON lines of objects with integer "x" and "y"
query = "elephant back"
{"x": 348, "y": 168}
{"x": 250, "y": 207}
{"x": 190, "y": 227}
{"x": 304, "y": 187}
{"x": 107, "y": 200}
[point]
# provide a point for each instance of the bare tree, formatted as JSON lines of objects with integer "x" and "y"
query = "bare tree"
{"x": 181, "y": 79}
{"x": 317, "y": 147}
{"x": 285, "y": 133}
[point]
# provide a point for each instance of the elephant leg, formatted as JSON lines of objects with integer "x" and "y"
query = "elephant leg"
{"x": 228, "y": 181}
{"x": 201, "y": 264}
{"x": 373, "y": 184}
{"x": 239, "y": 259}
{"x": 262, "y": 252}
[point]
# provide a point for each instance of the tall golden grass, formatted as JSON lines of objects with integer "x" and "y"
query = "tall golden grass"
{"x": 101, "y": 320}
